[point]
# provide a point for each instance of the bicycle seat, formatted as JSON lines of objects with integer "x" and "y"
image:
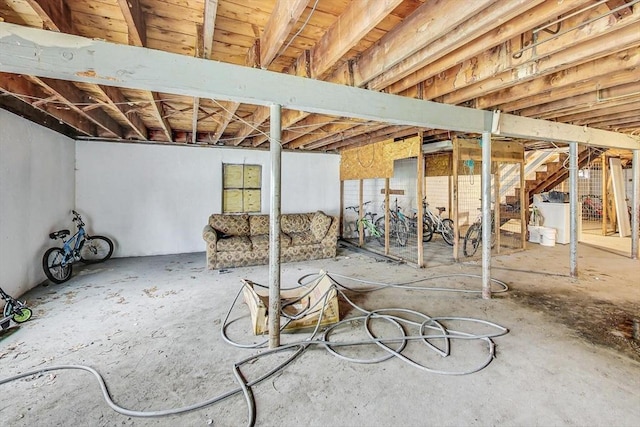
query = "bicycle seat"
{"x": 441, "y": 209}
{"x": 59, "y": 234}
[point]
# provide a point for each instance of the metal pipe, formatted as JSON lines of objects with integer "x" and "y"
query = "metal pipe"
{"x": 573, "y": 207}
{"x": 635, "y": 205}
{"x": 486, "y": 215}
{"x": 275, "y": 136}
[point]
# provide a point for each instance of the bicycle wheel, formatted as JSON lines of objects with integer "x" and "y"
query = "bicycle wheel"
{"x": 96, "y": 249}
{"x": 52, "y": 263}
{"x": 401, "y": 230}
{"x": 471, "y": 240}
{"x": 380, "y": 228}
{"x": 447, "y": 231}
{"x": 427, "y": 231}
{"x": 23, "y": 316}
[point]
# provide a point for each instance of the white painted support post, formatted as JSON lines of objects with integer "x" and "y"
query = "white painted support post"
{"x": 573, "y": 207}
{"x": 486, "y": 215}
{"x": 275, "y": 136}
{"x": 635, "y": 205}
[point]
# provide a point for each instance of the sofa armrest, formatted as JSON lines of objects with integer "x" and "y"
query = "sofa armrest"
{"x": 209, "y": 235}
{"x": 331, "y": 238}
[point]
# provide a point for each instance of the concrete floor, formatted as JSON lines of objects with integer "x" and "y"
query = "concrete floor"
{"x": 151, "y": 326}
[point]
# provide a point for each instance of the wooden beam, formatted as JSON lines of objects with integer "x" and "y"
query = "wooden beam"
{"x": 284, "y": 16}
{"x": 483, "y": 22}
{"x": 158, "y": 112}
{"x": 70, "y": 95}
{"x": 63, "y": 56}
{"x": 28, "y": 92}
{"x": 251, "y": 124}
{"x": 544, "y": 130}
{"x": 524, "y": 22}
{"x": 348, "y": 134}
{"x": 208, "y": 27}
{"x": 328, "y": 129}
{"x": 134, "y": 17}
{"x": 55, "y": 14}
{"x": 358, "y": 19}
{"x": 230, "y": 109}
{"x": 426, "y": 24}
{"x": 493, "y": 72}
{"x": 625, "y": 60}
{"x": 373, "y": 136}
{"x": 118, "y": 104}
{"x": 587, "y": 95}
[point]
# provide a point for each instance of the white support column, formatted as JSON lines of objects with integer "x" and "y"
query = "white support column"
{"x": 573, "y": 207}
{"x": 486, "y": 215}
{"x": 275, "y": 137}
{"x": 635, "y": 205}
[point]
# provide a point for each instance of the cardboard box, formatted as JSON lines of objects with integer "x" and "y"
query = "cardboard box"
{"x": 311, "y": 295}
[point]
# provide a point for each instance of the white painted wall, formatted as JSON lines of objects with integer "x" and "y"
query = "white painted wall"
{"x": 36, "y": 197}
{"x": 156, "y": 199}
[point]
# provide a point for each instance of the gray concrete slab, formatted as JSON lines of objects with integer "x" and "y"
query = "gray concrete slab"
{"x": 151, "y": 327}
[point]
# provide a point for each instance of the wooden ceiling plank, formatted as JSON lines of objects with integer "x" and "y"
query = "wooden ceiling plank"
{"x": 564, "y": 97}
{"x": 466, "y": 33}
{"x": 74, "y": 98}
{"x": 593, "y": 114}
{"x": 426, "y": 24}
{"x": 625, "y": 60}
{"x": 352, "y": 25}
{"x": 584, "y": 98}
{"x": 134, "y": 17}
{"x": 29, "y": 92}
{"x": 534, "y": 17}
{"x": 55, "y": 14}
{"x": 284, "y": 16}
{"x": 489, "y": 73}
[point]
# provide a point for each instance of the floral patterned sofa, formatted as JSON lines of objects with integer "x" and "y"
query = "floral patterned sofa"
{"x": 241, "y": 240}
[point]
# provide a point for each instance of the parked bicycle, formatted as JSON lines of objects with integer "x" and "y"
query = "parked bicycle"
{"x": 57, "y": 262}
{"x": 398, "y": 226}
{"x": 369, "y": 228}
{"x": 473, "y": 237}
{"x": 437, "y": 224}
{"x": 13, "y": 310}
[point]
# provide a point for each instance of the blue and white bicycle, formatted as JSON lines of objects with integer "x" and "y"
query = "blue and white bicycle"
{"x": 57, "y": 262}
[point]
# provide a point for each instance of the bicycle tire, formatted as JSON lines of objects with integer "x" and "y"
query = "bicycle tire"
{"x": 447, "y": 231}
{"x": 25, "y": 314}
{"x": 53, "y": 268}
{"x": 432, "y": 228}
{"x": 472, "y": 240}
{"x": 401, "y": 230}
{"x": 427, "y": 231}
{"x": 379, "y": 224}
{"x": 96, "y": 249}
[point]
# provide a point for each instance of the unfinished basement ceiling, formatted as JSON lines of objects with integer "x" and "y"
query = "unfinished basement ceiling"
{"x": 571, "y": 61}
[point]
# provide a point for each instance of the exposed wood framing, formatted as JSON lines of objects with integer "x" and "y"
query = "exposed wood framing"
{"x": 284, "y": 16}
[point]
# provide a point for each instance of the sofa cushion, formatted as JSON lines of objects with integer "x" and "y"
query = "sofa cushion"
{"x": 320, "y": 224}
{"x": 234, "y": 225}
{"x": 295, "y": 223}
{"x": 301, "y": 239}
{"x": 261, "y": 241}
{"x": 234, "y": 243}
{"x": 259, "y": 224}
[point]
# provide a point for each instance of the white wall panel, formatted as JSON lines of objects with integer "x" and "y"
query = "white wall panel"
{"x": 155, "y": 199}
{"x": 36, "y": 197}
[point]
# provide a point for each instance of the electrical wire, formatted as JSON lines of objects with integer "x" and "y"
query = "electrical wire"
{"x": 399, "y": 318}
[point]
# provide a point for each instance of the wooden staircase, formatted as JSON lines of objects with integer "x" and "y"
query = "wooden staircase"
{"x": 554, "y": 173}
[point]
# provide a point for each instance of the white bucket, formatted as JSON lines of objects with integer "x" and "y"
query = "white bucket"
{"x": 534, "y": 233}
{"x": 547, "y": 236}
